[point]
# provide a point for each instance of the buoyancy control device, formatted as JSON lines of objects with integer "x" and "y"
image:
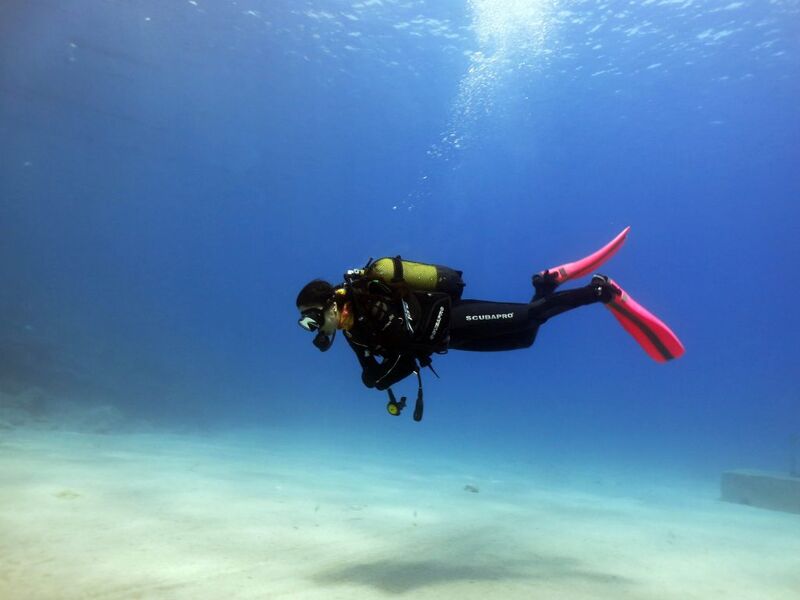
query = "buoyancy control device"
{"x": 434, "y": 287}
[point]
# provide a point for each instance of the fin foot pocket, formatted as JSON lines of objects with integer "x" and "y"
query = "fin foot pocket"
{"x": 605, "y": 289}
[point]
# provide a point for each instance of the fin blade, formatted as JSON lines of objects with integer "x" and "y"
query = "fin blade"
{"x": 650, "y": 332}
{"x": 586, "y": 265}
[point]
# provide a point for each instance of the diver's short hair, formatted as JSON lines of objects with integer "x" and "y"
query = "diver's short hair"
{"x": 316, "y": 292}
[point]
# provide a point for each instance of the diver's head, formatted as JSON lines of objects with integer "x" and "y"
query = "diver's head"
{"x": 318, "y": 312}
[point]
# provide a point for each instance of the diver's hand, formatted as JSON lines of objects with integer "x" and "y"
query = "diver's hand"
{"x": 367, "y": 379}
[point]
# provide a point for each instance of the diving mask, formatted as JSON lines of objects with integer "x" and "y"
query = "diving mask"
{"x": 312, "y": 319}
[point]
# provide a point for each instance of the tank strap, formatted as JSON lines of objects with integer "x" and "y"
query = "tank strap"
{"x": 398, "y": 269}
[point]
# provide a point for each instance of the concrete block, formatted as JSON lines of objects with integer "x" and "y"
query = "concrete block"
{"x": 774, "y": 491}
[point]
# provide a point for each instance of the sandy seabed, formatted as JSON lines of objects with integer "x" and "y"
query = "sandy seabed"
{"x": 146, "y": 515}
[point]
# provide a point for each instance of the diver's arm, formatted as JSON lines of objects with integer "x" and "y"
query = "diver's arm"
{"x": 393, "y": 369}
{"x": 382, "y": 374}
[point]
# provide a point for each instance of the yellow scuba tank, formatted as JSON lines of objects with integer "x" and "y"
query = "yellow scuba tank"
{"x": 418, "y": 276}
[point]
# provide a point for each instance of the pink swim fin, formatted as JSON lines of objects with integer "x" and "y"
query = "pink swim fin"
{"x": 584, "y": 266}
{"x": 649, "y": 331}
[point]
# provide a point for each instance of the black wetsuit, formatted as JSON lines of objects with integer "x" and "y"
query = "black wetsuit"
{"x": 382, "y": 327}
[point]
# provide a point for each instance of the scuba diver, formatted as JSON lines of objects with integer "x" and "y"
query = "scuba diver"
{"x": 395, "y": 314}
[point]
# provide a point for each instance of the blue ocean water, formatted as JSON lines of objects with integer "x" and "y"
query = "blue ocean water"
{"x": 173, "y": 172}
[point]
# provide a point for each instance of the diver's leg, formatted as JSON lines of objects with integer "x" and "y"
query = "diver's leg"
{"x": 555, "y": 303}
{"x": 490, "y": 326}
